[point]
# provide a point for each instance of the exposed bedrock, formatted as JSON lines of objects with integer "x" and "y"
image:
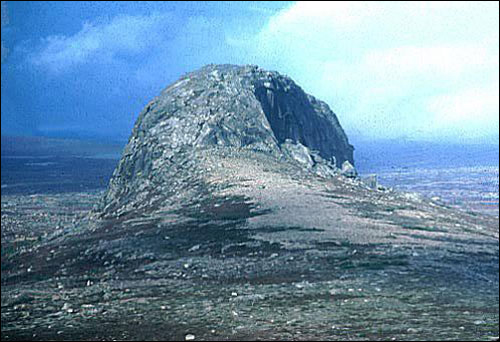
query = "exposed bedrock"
{"x": 234, "y": 107}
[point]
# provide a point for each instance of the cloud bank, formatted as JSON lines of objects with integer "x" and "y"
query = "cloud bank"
{"x": 104, "y": 42}
{"x": 422, "y": 70}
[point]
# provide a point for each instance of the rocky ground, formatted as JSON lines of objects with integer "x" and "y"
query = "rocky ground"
{"x": 235, "y": 214}
{"x": 250, "y": 248}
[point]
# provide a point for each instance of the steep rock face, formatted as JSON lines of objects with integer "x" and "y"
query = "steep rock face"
{"x": 295, "y": 115}
{"x": 235, "y": 107}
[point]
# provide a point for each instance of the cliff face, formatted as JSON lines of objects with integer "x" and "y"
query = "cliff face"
{"x": 231, "y": 107}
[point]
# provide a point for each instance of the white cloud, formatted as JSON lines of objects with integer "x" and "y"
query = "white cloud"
{"x": 378, "y": 64}
{"x": 327, "y": 14}
{"x": 122, "y": 35}
{"x": 442, "y": 60}
{"x": 468, "y": 105}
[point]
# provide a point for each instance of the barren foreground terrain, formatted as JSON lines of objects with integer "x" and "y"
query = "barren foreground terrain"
{"x": 249, "y": 249}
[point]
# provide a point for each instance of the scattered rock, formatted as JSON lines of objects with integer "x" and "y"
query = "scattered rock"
{"x": 194, "y": 248}
{"x": 370, "y": 181}
{"x": 348, "y": 170}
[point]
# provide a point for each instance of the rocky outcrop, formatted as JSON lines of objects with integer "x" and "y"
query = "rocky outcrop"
{"x": 234, "y": 107}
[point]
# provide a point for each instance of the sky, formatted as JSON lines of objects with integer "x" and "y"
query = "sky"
{"x": 389, "y": 70}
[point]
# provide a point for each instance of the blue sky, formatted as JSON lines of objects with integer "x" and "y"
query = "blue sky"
{"x": 419, "y": 70}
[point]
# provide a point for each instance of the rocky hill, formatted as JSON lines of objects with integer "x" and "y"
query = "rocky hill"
{"x": 236, "y": 108}
{"x": 235, "y": 214}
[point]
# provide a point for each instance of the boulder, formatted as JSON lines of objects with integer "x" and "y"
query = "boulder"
{"x": 348, "y": 170}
